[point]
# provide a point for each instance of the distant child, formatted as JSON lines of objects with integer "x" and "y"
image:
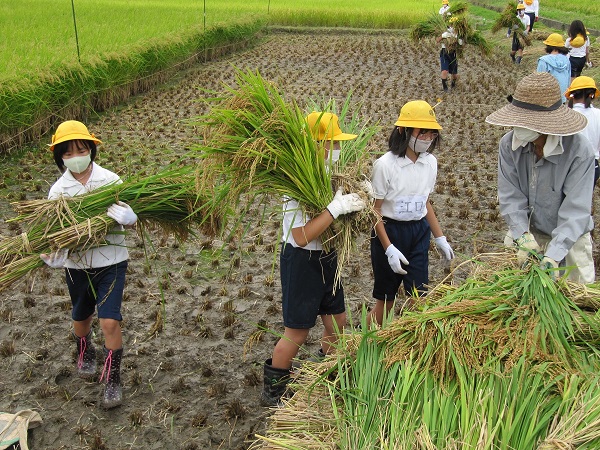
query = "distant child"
{"x": 95, "y": 278}
{"x": 517, "y": 47}
{"x": 445, "y": 8}
{"x": 578, "y": 45}
{"x": 580, "y": 95}
{"x": 403, "y": 178}
{"x": 532, "y": 10}
{"x": 307, "y": 272}
{"x": 556, "y": 62}
{"x": 448, "y": 60}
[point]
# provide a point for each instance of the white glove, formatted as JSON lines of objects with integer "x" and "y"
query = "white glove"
{"x": 444, "y": 247}
{"x": 344, "y": 204}
{"x": 527, "y": 245}
{"x": 122, "y": 213}
{"x": 551, "y": 266}
{"x": 57, "y": 259}
{"x": 589, "y": 64}
{"x": 367, "y": 187}
{"x": 395, "y": 256}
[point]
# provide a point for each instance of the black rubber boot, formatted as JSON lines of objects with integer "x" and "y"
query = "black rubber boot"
{"x": 519, "y": 59}
{"x": 512, "y": 56}
{"x": 445, "y": 84}
{"x": 113, "y": 394}
{"x": 453, "y": 84}
{"x": 86, "y": 356}
{"x": 275, "y": 384}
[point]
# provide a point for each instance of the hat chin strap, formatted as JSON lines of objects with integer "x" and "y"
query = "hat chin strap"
{"x": 533, "y": 107}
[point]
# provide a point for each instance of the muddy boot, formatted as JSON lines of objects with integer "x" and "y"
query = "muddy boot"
{"x": 519, "y": 59}
{"x": 86, "y": 356}
{"x": 445, "y": 84}
{"x": 111, "y": 373}
{"x": 275, "y": 384}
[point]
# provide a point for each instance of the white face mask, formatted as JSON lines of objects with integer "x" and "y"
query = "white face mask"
{"x": 77, "y": 164}
{"x": 334, "y": 155}
{"x": 419, "y": 145}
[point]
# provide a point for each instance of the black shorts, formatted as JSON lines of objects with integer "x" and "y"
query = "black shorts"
{"x": 448, "y": 61}
{"x": 100, "y": 288}
{"x": 307, "y": 286}
{"x": 577, "y": 65}
{"x": 516, "y": 44}
{"x": 412, "y": 239}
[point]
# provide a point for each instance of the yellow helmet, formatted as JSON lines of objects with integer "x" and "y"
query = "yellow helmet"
{"x": 71, "y": 130}
{"x": 520, "y": 6}
{"x": 582, "y": 82}
{"x": 418, "y": 114}
{"x": 326, "y": 126}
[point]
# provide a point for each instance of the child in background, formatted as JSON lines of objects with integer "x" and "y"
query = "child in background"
{"x": 307, "y": 272}
{"x": 556, "y": 62}
{"x": 532, "y": 10}
{"x": 445, "y": 8}
{"x": 517, "y": 46}
{"x": 580, "y": 95}
{"x": 403, "y": 178}
{"x": 95, "y": 278}
{"x": 448, "y": 59}
{"x": 578, "y": 45}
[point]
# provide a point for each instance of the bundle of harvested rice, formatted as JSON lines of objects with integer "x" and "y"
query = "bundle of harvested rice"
{"x": 508, "y": 20}
{"x": 168, "y": 200}
{"x": 458, "y": 18}
{"x": 509, "y": 376}
{"x": 259, "y": 146}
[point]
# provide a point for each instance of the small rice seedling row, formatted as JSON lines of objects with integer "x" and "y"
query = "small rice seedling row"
{"x": 513, "y": 372}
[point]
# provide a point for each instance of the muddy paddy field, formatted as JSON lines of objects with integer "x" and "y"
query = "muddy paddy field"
{"x": 193, "y": 312}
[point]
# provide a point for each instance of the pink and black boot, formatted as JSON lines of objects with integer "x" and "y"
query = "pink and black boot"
{"x": 111, "y": 374}
{"x": 86, "y": 356}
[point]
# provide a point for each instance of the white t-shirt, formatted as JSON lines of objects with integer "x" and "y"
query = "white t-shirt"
{"x": 294, "y": 217}
{"x": 525, "y": 20}
{"x": 578, "y": 52}
{"x": 444, "y": 9}
{"x": 592, "y": 129}
{"x": 102, "y": 256}
{"x": 403, "y": 185}
{"x": 534, "y": 7}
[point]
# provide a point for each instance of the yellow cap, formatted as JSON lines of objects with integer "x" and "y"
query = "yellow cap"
{"x": 418, "y": 114}
{"x": 582, "y": 82}
{"x": 555, "y": 40}
{"x": 71, "y": 130}
{"x": 326, "y": 126}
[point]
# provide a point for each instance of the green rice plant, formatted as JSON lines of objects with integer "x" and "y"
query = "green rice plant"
{"x": 169, "y": 200}
{"x": 508, "y": 20}
{"x": 259, "y": 145}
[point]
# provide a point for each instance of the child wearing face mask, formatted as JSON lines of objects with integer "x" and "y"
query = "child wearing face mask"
{"x": 516, "y": 53}
{"x": 307, "y": 272}
{"x": 403, "y": 178}
{"x": 95, "y": 278}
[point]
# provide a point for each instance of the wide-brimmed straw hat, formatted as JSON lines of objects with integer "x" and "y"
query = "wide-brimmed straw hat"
{"x": 537, "y": 105}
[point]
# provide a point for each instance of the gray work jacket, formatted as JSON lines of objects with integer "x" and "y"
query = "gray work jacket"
{"x": 552, "y": 195}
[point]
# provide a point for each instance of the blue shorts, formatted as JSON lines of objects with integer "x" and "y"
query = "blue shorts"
{"x": 448, "y": 61}
{"x": 412, "y": 239}
{"x": 100, "y": 288}
{"x": 307, "y": 286}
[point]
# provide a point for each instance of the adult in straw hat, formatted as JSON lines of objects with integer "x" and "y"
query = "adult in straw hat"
{"x": 95, "y": 278}
{"x": 580, "y": 95}
{"x": 556, "y": 61}
{"x": 307, "y": 271}
{"x": 545, "y": 178}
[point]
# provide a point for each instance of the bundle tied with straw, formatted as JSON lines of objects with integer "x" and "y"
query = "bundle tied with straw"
{"x": 508, "y": 20}
{"x": 259, "y": 146}
{"x": 169, "y": 201}
{"x": 458, "y": 18}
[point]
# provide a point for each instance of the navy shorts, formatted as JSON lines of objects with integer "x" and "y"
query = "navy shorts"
{"x": 577, "y": 65}
{"x": 448, "y": 61}
{"x": 412, "y": 239}
{"x": 516, "y": 44}
{"x": 307, "y": 286}
{"x": 596, "y": 171}
{"x": 100, "y": 288}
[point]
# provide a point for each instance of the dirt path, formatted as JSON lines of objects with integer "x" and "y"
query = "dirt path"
{"x": 192, "y": 379}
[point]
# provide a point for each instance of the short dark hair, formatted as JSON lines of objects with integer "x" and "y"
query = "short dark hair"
{"x": 561, "y": 50}
{"x": 61, "y": 149}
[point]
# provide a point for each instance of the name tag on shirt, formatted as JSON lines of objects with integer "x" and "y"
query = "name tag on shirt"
{"x": 410, "y": 207}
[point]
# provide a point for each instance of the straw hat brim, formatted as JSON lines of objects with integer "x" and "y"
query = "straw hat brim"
{"x": 563, "y": 121}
